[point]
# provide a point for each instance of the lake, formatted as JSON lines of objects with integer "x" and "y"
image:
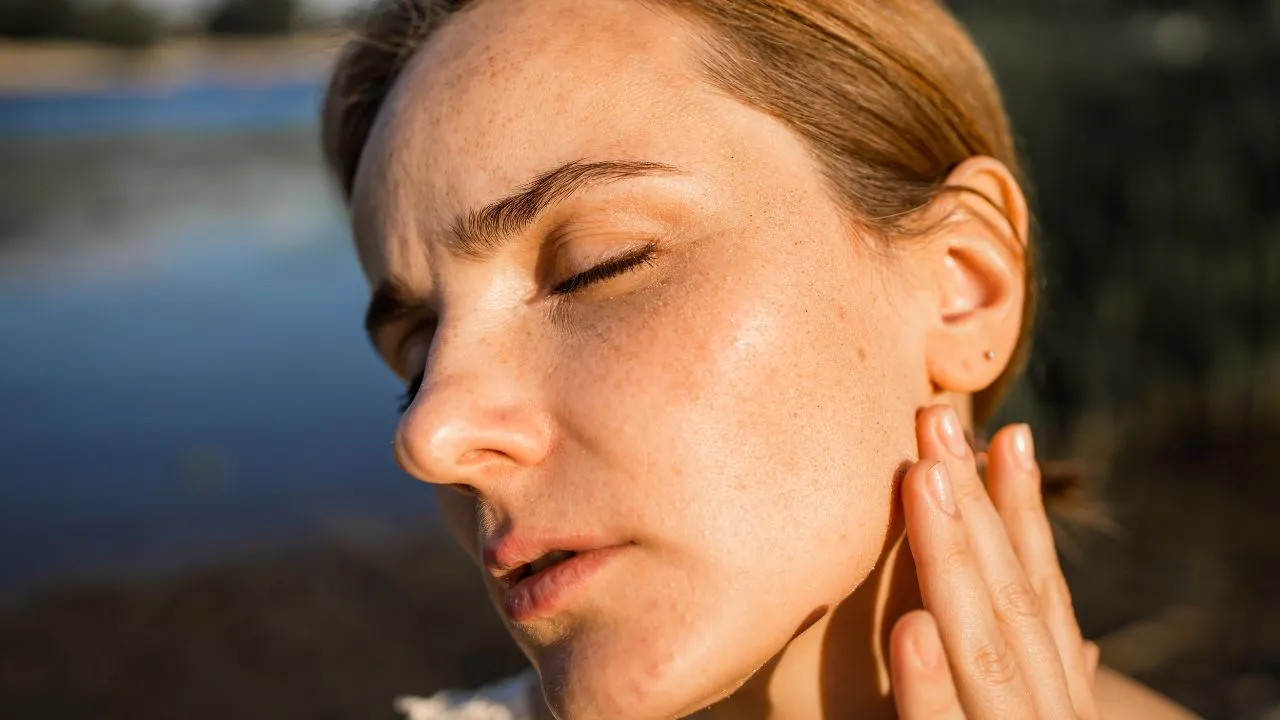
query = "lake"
{"x": 184, "y": 372}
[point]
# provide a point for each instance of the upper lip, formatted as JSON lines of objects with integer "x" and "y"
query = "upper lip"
{"x": 506, "y": 554}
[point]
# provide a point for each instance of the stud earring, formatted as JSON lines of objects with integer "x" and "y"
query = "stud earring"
{"x": 990, "y": 355}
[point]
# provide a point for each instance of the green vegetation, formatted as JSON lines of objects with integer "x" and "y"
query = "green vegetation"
{"x": 252, "y": 17}
{"x": 128, "y": 24}
{"x": 121, "y": 23}
{"x": 35, "y": 19}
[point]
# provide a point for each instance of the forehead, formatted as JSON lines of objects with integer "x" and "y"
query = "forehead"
{"x": 511, "y": 88}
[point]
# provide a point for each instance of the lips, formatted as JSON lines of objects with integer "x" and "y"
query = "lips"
{"x": 548, "y": 560}
{"x": 539, "y": 578}
{"x": 552, "y": 590}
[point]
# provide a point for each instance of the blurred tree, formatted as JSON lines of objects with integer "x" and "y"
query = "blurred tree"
{"x": 122, "y": 23}
{"x": 30, "y": 19}
{"x": 252, "y": 17}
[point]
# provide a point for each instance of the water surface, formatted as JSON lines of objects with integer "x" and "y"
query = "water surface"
{"x": 183, "y": 371}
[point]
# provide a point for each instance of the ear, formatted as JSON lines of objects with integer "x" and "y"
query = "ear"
{"x": 977, "y": 263}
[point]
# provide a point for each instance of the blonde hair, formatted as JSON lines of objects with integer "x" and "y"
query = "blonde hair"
{"x": 889, "y": 95}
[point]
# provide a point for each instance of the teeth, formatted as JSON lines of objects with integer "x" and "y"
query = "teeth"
{"x": 548, "y": 560}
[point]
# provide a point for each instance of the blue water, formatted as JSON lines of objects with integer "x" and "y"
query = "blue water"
{"x": 183, "y": 373}
{"x": 195, "y": 108}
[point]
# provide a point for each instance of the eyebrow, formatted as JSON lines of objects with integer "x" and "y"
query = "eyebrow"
{"x": 481, "y": 232}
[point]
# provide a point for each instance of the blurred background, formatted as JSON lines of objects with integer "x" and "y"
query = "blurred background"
{"x": 199, "y": 513}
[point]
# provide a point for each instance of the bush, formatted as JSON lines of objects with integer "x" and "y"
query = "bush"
{"x": 121, "y": 23}
{"x": 33, "y": 19}
{"x": 252, "y": 17}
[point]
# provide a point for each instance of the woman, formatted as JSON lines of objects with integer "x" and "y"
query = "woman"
{"x": 670, "y": 283}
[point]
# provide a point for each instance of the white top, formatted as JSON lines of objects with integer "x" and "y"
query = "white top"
{"x": 509, "y": 699}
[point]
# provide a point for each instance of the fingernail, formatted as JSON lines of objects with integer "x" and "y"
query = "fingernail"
{"x": 1024, "y": 447}
{"x": 940, "y": 486}
{"x": 927, "y": 649}
{"x": 952, "y": 434}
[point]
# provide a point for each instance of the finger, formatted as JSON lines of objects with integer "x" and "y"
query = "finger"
{"x": 1015, "y": 603}
{"x": 1013, "y": 480}
{"x": 922, "y": 684}
{"x": 987, "y": 677}
{"x": 940, "y": 437}
{"x": 1014, "y": 485}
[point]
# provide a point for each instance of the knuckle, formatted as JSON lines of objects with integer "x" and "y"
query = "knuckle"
{"x": 968, "y": 493}
{"x": 953, "y": 555}
{"x": 1016, "y": 603}
{"x": 1031, "y": 505}
{"x": 955, "y": 551}
{"x": 994, "y": 665}
{"x": 1053, "y": 590}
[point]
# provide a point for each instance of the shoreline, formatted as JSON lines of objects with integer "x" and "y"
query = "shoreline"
{"x": 37, "y": 68}
{"x": 1087, "y": 44}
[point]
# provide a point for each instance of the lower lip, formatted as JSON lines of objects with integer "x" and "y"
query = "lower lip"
{"x": 543, "y": 595}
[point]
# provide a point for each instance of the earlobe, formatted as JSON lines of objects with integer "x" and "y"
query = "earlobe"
{"x": 979, "y": 270}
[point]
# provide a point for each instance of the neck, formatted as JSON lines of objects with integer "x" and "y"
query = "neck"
{"x": 838, "y": 667}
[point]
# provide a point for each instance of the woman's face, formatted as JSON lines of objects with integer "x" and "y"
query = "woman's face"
{"x": 669, "y": 355}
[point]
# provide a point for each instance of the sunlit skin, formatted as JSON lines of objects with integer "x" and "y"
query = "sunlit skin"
{"x": 730, "y": 406}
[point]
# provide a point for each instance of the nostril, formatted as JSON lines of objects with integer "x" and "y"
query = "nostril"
{"x": 479, "y": 456}
{"x": 442, "y": 450}
{"x": 456, "y": 435}
{"x": 471, "y": 457}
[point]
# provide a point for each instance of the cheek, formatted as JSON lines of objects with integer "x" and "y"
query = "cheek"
{"x": 750, "y": 409}
{"x": 812, "y": 392}
{"x": 746, "y": 425}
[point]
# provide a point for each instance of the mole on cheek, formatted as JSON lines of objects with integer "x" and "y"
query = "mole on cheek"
{"x": 862, "y": 353}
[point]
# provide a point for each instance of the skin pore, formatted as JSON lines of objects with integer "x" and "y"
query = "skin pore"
{"x": 642, "y": 322}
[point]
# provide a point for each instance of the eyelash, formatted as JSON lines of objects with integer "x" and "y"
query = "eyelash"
{"x": 606, "y": 270}
{"x": 411, "y": 392}
{"x": 610, "y": 268}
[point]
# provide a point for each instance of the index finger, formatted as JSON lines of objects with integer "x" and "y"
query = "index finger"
{"x": 987, "y": 675}
{"x": 1015, "y": 603}
{"x": 1014, "y": 483}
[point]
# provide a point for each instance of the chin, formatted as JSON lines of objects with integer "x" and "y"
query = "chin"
{"x": 663, "y": 660}
{"x": 638, "y": 684}
{"x": 659, "y": 636}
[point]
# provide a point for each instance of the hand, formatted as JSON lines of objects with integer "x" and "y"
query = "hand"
{"x": 998, "y": 638}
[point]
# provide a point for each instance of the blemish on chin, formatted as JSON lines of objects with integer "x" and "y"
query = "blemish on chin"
{"x": 862, "y": 353}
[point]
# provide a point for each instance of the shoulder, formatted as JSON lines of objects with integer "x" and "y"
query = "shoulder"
{"x": 510, "y": 699}
{"x": 1122, "y": 697}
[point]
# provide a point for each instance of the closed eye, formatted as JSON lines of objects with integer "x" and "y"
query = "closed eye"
{"x": 610, "y": 268}
{"x": 411, "y": 392}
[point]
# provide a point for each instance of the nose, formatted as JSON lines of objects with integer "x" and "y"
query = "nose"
{"x": 470, "y": 427}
